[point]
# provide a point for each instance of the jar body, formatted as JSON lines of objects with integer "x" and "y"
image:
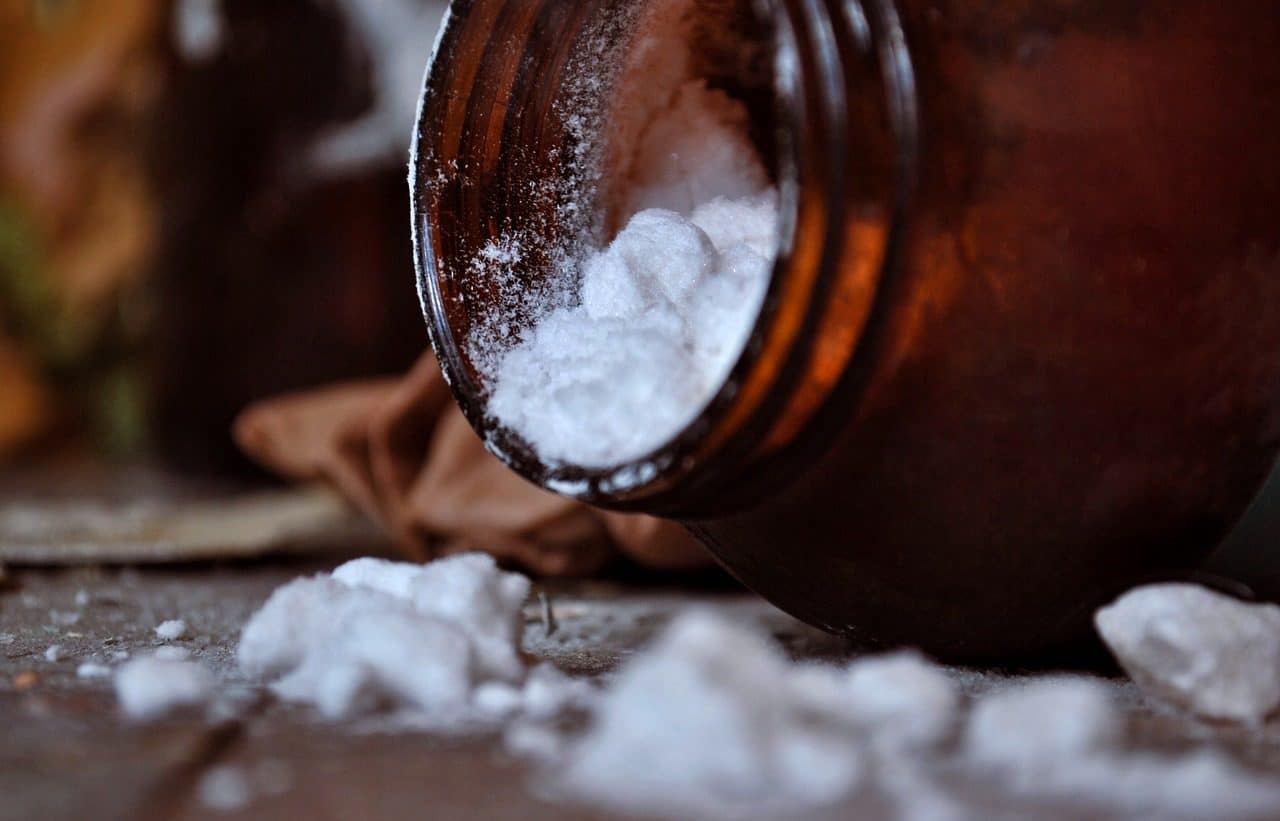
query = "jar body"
{"x": 1077, "y": 378}
{"x": 1068, "y": 379}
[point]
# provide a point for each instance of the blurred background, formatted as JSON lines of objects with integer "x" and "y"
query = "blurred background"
{"x": 202, "y": 203}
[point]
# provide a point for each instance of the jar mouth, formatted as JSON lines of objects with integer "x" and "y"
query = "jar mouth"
{"x": 801, "y": 110}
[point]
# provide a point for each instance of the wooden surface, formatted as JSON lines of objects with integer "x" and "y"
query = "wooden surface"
{"x": 66, "y": 751}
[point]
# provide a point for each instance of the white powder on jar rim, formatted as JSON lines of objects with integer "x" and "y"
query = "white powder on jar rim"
{"x": 664, "y": 311}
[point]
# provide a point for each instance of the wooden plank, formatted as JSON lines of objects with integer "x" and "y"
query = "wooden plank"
{"x": 65, "y": 752}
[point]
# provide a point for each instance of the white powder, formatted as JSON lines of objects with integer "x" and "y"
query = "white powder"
{"x": 1042, "y": 724}
{"x": 53, "y": 652}
{"x": 229, "y": 788}
{"x": 171, "y": 630}
{"x": 537, "y": 742}
{"x": 1197, "y": 785}
{"x": 92, "y": 670}
{"x": 440, "y": 639}
{"x": 545, "y": 694}
{"x": 1060, "y": 738}
{"x": 1203, "y": 651}
{"x": 902, "y": 699}
{"x": 224, "y": 789}
{"x": 172, "y": 652}
{"x": 149, "y": 688}
{"x": 712, "y": 721}
{"x": 664, "y": 311}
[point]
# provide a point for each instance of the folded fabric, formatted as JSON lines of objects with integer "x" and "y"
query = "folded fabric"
{"x": 402, "y": 452}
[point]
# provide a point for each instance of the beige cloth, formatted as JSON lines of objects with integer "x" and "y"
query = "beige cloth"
{"x": 403, "y": 453}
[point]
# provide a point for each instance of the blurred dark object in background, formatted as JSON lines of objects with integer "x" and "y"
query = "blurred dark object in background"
{"x": 202, "y": 203}
{"x": 272, "y": 273}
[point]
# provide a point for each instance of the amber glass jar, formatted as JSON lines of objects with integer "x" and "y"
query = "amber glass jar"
{"x": 1021, "y": 347}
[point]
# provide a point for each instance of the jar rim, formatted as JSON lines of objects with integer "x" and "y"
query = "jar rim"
{"x": 657, "y": 481}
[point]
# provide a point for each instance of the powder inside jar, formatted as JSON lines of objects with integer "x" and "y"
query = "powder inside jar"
{"x": 663, "y": 312}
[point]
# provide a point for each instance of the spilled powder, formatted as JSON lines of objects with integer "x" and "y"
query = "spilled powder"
{"x": 91, "y": 669}
{"x": 710, "y": 719}
{"x": 713, "y": 721}
{"x": 1197, "y": 649}
{"x": 663, "y": 312}
{"x": 1060, "y": 737}
{"x": 1042, "y": 724}
{"x": 441, "y": 640}
{"x": 171, "y": 630}
{"x": 225, "y": 789}
{"x": 149, "y": 688}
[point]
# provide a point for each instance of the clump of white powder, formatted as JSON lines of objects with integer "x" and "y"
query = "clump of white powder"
{"x": 441, "y": 640}
{"x": 224, "y": 789}
{"x": 1043, "y": 724}
{"x": 171, "y": 630}
{"x": 713, "y": 721}
{"x": 91, "y": 669}
{"x": 148, "y": 688}
{"x": 1203, "y": 651}
{"x": 664, "y": 311}
{"x": 172, "y": 652}
{"x": 1060, "y": 737}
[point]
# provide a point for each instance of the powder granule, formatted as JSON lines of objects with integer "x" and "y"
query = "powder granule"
{"x": 1196, "y": 785}
{"x": 1060, "y": 737}
{"x": 384, "y": 634}
{"x": 225, "y": 789}
{"x": 467, "y": 590}
{"x": 1200, "y": 650}
{"x": 896, "y": 700}
{"x": 91, "y": 669}
{"x": 148, "y": 688}
{"x": 172, "y": 652}
{"x": 171, "y": 630}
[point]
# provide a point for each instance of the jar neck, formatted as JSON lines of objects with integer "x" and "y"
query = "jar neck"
{"x": 846, "y": 148}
